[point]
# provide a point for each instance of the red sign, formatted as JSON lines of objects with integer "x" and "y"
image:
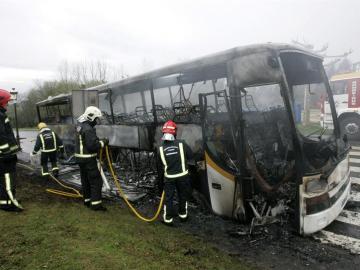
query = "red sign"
{"x": 353, "y": 89}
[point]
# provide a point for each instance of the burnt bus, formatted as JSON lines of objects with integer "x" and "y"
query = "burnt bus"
{"x": 252, "y": 117}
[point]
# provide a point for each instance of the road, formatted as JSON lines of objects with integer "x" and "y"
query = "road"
{"x": 27, "y": 140}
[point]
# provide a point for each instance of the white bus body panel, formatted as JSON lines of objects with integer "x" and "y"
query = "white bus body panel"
{"x": 221, "y": 190}
{"x": 338, "y": 180}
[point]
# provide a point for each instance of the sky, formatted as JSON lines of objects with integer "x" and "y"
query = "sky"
{"x": 135, "y": 36}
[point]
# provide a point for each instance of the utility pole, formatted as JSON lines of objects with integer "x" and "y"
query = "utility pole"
{"x": 14, "y": 98}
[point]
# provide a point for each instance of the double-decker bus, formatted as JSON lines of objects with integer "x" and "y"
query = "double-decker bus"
{"x": 251, "y": 116}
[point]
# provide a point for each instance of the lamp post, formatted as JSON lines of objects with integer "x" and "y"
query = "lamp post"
{"x": 14, "y": 99}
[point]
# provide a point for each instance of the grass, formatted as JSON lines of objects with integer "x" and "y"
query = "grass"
{"x": 309, "y": 129}
{"x": 313, "y": 129}
{"x": 60, "y": 233}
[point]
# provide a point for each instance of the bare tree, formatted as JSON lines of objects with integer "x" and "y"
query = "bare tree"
{"x": 88, "y": 72}
{"x": 64, "y": 71}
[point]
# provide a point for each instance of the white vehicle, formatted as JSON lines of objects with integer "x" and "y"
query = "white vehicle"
{"x": 346, "y": 90}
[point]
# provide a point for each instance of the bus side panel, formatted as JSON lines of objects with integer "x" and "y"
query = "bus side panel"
{"x": 221, "y": 188}
{"x": 124, "y": 136}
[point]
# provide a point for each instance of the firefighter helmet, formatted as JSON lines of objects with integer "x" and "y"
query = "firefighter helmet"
{"x": 169, "y": 127}
{"x": 4, "y": 97}
{"x": 41, "y": 125}
{"x": 91, "y": 113}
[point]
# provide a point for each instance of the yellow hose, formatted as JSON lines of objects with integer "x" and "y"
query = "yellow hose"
{"x": 76, "y": 193}
{"x": 25, "y": 166}
{"x": 121, "y": 193}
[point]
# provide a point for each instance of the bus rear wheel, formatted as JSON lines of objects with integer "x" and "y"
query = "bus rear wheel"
{"x": 350, "y": 125}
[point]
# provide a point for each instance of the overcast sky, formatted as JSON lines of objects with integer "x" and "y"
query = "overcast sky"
{"x": 37, "y": 35}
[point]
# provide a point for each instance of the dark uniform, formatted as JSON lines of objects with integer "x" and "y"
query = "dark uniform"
{"x": 87, "y": 147}
{"x": 48, "y": 142}
{"x": 8, "y": 159}
{"x": 174, "y": 156}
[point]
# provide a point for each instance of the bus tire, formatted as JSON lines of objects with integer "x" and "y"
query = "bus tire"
{"x": 350, "y": 125}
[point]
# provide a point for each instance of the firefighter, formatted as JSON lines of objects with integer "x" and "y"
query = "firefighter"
{"x": 48, "y": 143}
{"x": 174, "y": 155}
{"x": 87, "y": 146}
{"x": 8, "y": 159}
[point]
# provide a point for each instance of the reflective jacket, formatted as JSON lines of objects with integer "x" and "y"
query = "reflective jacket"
{"x": 174, "y": 156}
{"x": 47, "y": 141}
{"x": 87, "y": 144}
{"x": 8, "y": 143}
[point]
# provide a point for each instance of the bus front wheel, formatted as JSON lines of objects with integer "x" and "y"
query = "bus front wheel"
{"x": 350, "y": 125}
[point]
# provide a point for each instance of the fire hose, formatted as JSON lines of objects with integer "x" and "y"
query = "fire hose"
{"x": 121, "y": 192}
{"x": 76, "y": 193}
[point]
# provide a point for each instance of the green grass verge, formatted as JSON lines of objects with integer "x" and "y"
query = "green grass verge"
{"x": 310, "y": 128}
{"x": 59, "y": 233}
{"x": 313, "y": 129}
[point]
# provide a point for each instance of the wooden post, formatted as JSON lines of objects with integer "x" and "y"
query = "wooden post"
{"x": 306, "y": 119}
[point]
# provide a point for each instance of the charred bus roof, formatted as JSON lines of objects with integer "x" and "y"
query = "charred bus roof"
{"x": 55, "y": 100}
{"x": 200, "y": 69}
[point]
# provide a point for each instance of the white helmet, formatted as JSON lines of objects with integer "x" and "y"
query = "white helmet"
{"x": 91, "y": 113}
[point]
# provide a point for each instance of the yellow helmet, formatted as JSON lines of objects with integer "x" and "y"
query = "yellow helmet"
{"x": 41, "y": 125}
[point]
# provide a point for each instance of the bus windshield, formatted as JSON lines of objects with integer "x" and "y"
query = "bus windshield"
{"x": 309, "y": 95}
{"x": 309, "y": 107}
{"x": 308, "y": 92}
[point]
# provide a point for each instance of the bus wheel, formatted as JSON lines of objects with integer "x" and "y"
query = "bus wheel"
{"x": 350, "y": 125}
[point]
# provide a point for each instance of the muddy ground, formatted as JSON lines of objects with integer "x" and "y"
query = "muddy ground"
{"x": 275, "y": 246}
{"x": 272, "y": 247}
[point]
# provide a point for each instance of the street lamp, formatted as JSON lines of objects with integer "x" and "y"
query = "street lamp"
{"x": 13, "y": 94}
